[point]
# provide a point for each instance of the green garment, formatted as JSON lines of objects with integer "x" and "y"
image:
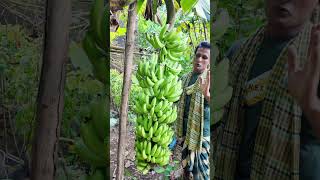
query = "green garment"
{"x": 310, "y": 145}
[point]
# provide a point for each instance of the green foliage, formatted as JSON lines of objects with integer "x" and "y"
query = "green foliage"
{"x": 23, "y": 64}
{"x": 141, "y": 6}
{"x": 203, "y": 9}
{"x": 120, "y": 32}
{"x": 145, "y": 26}
{"x": 123, "y": 16}
{"x": 167, "y": 170}
{"x": 190, "y": 25}
{"x": 245, "y": 18}
{"x": 116, "y": 81}
{"x": 79, "y": 58}
{"x": 187, "y": 5}
{"x": 20, "y": 56}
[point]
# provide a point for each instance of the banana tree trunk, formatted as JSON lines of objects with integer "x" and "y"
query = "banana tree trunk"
{"x": 129, "y": 48}
{"x": 51, "y": 90}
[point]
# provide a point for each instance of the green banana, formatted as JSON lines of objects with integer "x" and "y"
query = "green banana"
{"x": 163, "y": 31}
{"x": 96, "y": 19}
{"x": 158, "y": 106}
{"x": 157, "y": 152}
{"x": 155, "y": 126}
{"x": 153, "y": 150}
{"x": 157, "y": 41}
{"x": 169, "y": 35}
{"x": 144, "y": 155}
{"x": 90, "y": 47}
{"x": 92, "y": 141}
{"x": 150, "y": 133}
{"x": 172, "y": 57}
{"x": 148, "y": 151}
{"x": 100, "y": 117}
{"x": 87, "y": 155}
{"x": 154, "y": 77}
{"x": 150, "y": 83}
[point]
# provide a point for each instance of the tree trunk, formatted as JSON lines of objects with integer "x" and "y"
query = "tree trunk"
{"x": 170, "y": 12}
{"x": 51, "y": 90}
{"x": 129, "y": 47}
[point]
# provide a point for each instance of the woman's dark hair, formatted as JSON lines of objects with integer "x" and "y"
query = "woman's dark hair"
{"x": 203, "y": 44}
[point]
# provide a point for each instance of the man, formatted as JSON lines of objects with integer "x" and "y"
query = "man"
{"x": 271, "y": 128}
{"x": 193, "y": 122}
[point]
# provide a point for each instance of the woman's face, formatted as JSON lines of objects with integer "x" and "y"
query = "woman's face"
{"x": 201, "y": 60}
{"x": 289, "y": 13}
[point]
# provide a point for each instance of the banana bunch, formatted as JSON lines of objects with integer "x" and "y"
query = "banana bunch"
{"x": 169, "y": 42}
{"x": 222, "y": 92}
{"x": 91, "y": 148}
{"x": 161, "y": 88}
{"x": 95, "y": 40}
{"x": 149, "y": 110}
{"x": 146, "y": 153}
{"x": 161, "y": 80}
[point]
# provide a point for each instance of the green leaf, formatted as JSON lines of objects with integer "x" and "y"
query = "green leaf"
{"x": 217, "y": 116}
{"x": 187, "y": 5}
{"x": 79, "y": 58}
{"x": 159, "y": 170}
{"x": 167, "y": 173}
{"x": 222, "y": 98}
{"x": 221, "y": 25}
{"x": 203, "y": 9}
{"x": 122, "y": 31}
{"x": 92, "y": 86}
{"x": 220, "y": 76}
{"x": 113, "y": 36}
{"x": 140, "y": 5}
{"x": 215, "y": 51}
{"x": 169, "y": 168}
{"x": 2, "y": 68}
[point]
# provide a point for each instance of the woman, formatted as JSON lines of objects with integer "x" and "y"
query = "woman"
{"x": 271, "y": 128}
{"x": 193, "y": 123}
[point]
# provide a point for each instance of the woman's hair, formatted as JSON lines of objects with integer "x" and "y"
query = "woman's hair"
{"x": 203, "y": 44}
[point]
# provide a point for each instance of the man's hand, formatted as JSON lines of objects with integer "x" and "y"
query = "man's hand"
{"x": 303, "y": 82}
{"x": 205, "y": 86}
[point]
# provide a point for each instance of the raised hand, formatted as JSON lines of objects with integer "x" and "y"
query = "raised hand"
{"x": 205, "y": 86}
{"x": 303, "y": 82}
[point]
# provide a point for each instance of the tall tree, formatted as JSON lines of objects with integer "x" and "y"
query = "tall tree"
{"x": 51, "y": 90}
{"x": 129, "y": 48}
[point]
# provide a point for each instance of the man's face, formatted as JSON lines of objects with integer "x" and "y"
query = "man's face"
{"x": 201, "y": 60}
{"x": 289, "y": 13}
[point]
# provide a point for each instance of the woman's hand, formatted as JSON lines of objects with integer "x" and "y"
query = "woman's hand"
{"x": 205, "y": 86}
{"x": 303, "y": 82}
